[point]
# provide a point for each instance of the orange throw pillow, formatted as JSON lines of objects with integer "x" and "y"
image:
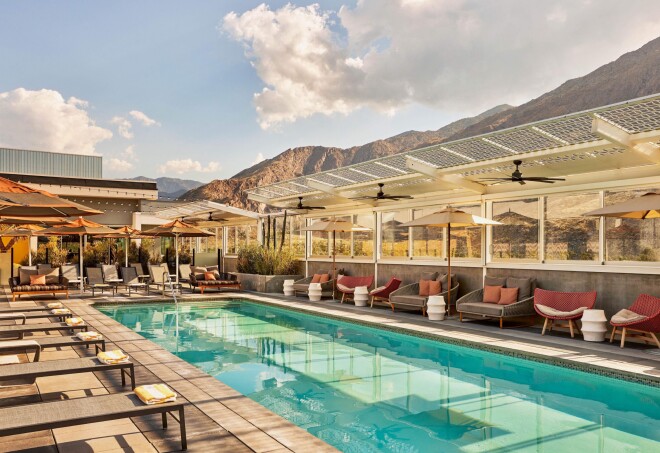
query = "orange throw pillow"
{"x": 435, "y": 288}
{"x": 508, "y": 296}
{"x": 209, "y": 276}
{"x": 424, "y": 287}
{"x": 324, "y": 278}
{"x": 38, "y": 279}
{"x": 316, "y": 278}
{"x": 492, "y": 294}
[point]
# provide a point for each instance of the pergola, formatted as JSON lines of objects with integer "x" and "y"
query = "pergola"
{"x": 622, "y": 138}
{"x": 206, "y": 214}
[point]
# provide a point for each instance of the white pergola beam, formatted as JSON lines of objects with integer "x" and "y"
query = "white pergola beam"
{"x": 446, "y": 181}
{"x": 334, "y": 191}
{"x": 636, "y": 142}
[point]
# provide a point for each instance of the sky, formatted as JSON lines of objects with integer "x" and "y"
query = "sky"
{"x": 203, "y": 89}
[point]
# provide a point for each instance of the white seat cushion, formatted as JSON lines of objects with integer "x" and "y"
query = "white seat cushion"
{"x": 626, "y": 316}
{"x": 345, "y": 289}
{"x": 375, "y": 290}
{"x": 560, "y": 314}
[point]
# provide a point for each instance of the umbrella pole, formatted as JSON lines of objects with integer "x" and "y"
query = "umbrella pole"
{"x": 176, "y": 257}
{"x": 334, "y": 267}
{"x": 449, "y": 268}
{"x": 126, "y": 246}
{"x": 29, "y": 251}
{"x": 80, "y": 260}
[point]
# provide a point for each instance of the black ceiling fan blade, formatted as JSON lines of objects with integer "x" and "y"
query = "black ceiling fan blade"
{"x": 543, "y": 178}
{"x": 497, "y": 179}
{"x": 395, "y": 197}
{"x": 366, "y": 197}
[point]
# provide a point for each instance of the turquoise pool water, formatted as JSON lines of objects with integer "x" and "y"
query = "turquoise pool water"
{"x": 366, "y": 390}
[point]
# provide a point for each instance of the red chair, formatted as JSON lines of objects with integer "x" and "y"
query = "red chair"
{"x": 382, "y": 293}
{"x": 347, "y": 284}
{"x": 643, "y": 317}
{"x": 556, "y": 306}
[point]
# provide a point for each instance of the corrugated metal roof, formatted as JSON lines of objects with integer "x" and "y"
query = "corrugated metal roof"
{"x": 44, "y": 163}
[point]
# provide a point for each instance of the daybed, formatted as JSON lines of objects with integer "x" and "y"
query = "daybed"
{"x": 29, "y": 282}
{"x": 203, "y": 278}
{"x": 409, "y": 295}
{"x": 474, "y": 304}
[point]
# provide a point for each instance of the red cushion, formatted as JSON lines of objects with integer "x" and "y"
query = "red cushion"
{"x": 508, "y": 296}
{"x": 209, "y": 276}
{"x": 316, "y": 278}
{"x": 492, "y": 294}
{"x": 435, "y": 288}
{"x": 424, "y": 286}
{"x": 324, "y": 278}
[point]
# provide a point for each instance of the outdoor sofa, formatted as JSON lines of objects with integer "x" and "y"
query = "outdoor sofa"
{"x": 473, "y": 305}
{"x": 409, "y": 295}
{"x": 203, "y": 278}
{"x": 54, "y": 283}
{"x": 324, "y": 278}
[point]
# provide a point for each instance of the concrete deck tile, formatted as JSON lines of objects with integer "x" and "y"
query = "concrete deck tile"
{"x": 36, "y": 442}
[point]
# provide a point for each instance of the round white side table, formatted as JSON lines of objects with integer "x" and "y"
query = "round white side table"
{"x": 314, "y": 292}
{"x": 436, "y": 308}
{"x": 594, "y": 325}
{"x": 361, "y": 296}
{"x": 288, "y": 287}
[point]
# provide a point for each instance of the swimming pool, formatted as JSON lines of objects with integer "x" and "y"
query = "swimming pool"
{"x": 363, "y": 389}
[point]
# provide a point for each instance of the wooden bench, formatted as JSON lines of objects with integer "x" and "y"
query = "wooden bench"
{"x": 80, "y": 411}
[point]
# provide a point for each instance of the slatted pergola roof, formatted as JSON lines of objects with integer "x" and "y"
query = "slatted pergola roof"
{"x": 613, "y": 137}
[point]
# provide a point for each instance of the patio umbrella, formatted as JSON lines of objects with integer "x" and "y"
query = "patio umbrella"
{"x": 450, "y": 217}
{"x": 127, "y": 233}
{"x": 645, "y": 207}
{"x": 23, "y": 201}
{"x": 26, "y": 231}
{"x": 176, "y": 229}
{"x": 79, "y": 227}
{"x": 334, "y": 225}
{"x": 48, "y": 221}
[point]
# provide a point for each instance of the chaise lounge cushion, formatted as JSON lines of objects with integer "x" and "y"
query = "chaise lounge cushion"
{"x": 416, "y": 301}
{"x": 219, "y": 282}
{"x": 558, "y": 313}
{"x": 22, "y": 288}
{"x": 482, "y": 308}
{"x": 626, "y": 316}
{"x": 524, "y": 286}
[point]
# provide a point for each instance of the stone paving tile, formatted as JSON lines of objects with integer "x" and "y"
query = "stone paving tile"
{"x": 36, "y": 442}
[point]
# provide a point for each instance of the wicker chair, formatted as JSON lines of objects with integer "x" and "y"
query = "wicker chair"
{"x": 382, "y": 293}
{"x": 556, "y": 306}
{"x": 347, "y": 284}
{"x": 408, "y": 295}
{"x": 645, "y": 325}
{"x": 302, "y": 285}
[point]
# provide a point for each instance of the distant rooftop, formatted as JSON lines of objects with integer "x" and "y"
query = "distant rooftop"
{"x": 43, "y": 163}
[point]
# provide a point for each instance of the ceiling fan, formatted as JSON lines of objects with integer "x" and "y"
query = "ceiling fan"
{"x": 300, "y": 205}
{"x": 517, "y": 176}
{"x": 211, "y": 219}
{"x": 382, "y": 196}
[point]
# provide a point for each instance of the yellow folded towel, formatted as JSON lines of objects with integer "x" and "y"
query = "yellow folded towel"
{"x": 60, "y": 311}
{"x": 54, "y": 305}
{"x": 155, "y": 394}
{"x": 112, "y": 357}
{"x": 74, "y": 321}
{"x": 89, "y": 336}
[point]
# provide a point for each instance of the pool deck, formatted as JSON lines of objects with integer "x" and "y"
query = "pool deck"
{"x": 220, "y": 419}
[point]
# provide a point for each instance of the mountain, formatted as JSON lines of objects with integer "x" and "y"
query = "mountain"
{"x": 171, "y": 188}
{"x": 632, "y": 75}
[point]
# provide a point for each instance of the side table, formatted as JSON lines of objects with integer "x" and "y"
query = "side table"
{"x": 594, "y": 325}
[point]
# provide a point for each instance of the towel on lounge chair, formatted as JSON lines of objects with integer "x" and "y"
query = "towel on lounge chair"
{"x": 84, "y": 336}
{"x": 74, "y": 321}
{"x": 54, "y": 305}
{"x": 155, "y": 394}
{"x": 60, "y": 311}
{"x": 112, "y": 357}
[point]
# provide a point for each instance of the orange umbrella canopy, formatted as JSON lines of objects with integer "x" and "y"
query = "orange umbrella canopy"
{"x": 79, "y": 226}
{"x": 32, "y": 220}
{"x": 176, "y": 228}
{"x": 23, "y": 201}
{"x": 125, "y": 232}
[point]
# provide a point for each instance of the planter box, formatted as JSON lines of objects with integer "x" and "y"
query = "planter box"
{"x": 265, "y": 283}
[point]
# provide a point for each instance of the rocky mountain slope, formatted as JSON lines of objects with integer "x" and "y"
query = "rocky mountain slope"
{"x": 634, "y": 74}
{"x": 171, "y": 188}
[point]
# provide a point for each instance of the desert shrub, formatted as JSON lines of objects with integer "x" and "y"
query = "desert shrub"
{"x": 56, "y": 254}
{"x": 255, "y": 259}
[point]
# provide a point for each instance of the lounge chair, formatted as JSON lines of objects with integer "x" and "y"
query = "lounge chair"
{"x": 184, "y": 273}
{"x": 302, "y": 285}
{"x": 382, "y": 293}
{"x": 140, "y": 271}
{"x": 347, "y": 284}
{"x": 642, "y": 318}
{"x": 131, "y": 280}
{"x": 25, "y": 309}
{"x": 50, "y": 341}
{"x": 21, "y": 330}
{"x": 70, "y": 272}
{"x": 110, "y": 275}
{"x": 557, "y": 307}
{"x": 408, "y": 295}
{"x": 473, "y": 305}
{"x": 17, "y": 315}
{"x": 95, "y": 281}
{"x": 159, "y": 277}
{"x": 32, "y": 370}
{"x": 79, "y": 411}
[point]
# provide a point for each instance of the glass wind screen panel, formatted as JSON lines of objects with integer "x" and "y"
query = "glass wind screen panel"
{"x": 363, "y": 241}
{"x": 631, "y": 239}
{"x": 342, "y": 238}
{"x": 297, "y": 243}
{"x": 466, "y": 241}
{"x": 518, "y": 236}
{"x": 427, "y": 241}
{"x": 241, "y": 236}
{"x": 394, "y": 238}
{"x": 320, "y": 242}
{"x": 231, "y": 240}
{"x": 569, "y": 236}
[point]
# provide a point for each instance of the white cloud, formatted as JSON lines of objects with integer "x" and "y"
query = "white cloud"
{"x": 260, "y": 158}
{"x": 123, "y": 126}
{"x": 182, "y": 166}
{"x": 43, "y": 120}
{"x": 118, "y": 165}
{"x": 143, "y": 118}
{"x": 456, "y": 54}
